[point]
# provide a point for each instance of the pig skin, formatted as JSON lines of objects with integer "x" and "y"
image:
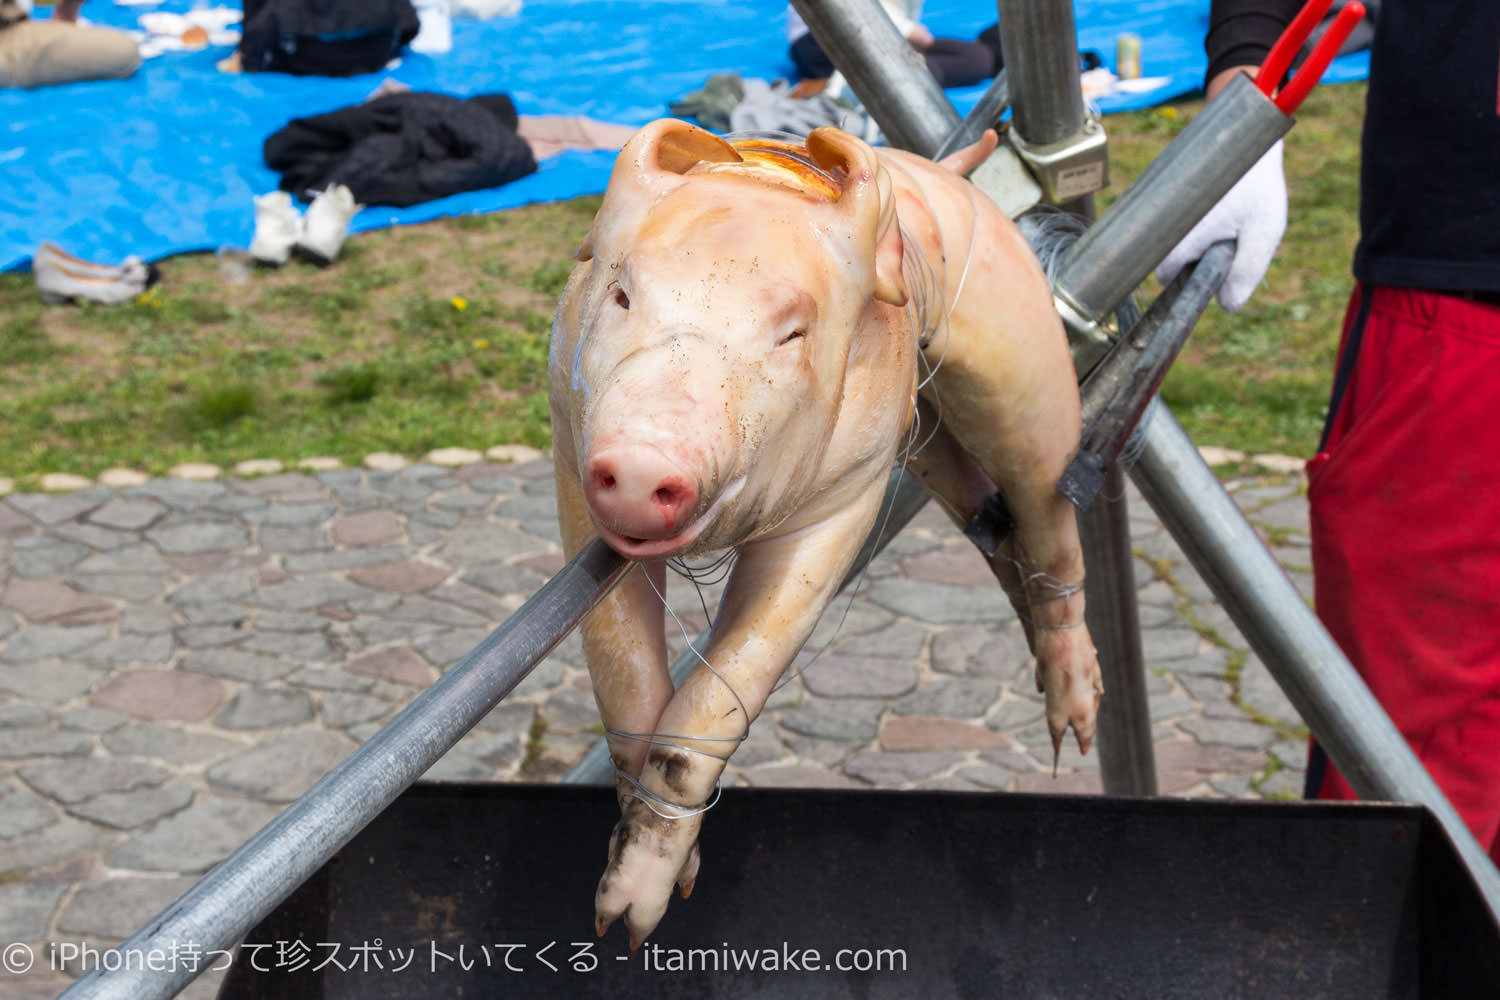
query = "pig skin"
{"x": 734, "y": 364}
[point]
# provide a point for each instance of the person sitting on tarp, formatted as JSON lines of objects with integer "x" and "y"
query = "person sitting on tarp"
{"x": 37, "y": 53}
{"x": 332, "y": 38}
{"x": 953, "y": 62}
{"x": 402, "y": 148}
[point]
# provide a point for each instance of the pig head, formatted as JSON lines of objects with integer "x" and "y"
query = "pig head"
{"x": 734, "y": 365}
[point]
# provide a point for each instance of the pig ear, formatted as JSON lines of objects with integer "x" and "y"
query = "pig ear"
{"x": 650, "y": 164}
{"x": 683, "y": 146}
{"x": 869, "y": 199}
{"x": 674, "y": 147}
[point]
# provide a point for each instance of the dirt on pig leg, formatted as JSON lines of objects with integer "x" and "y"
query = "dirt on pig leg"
{"x": 1049, "y": 563}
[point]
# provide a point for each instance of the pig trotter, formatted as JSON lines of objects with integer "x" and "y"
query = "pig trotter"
{"x": 649, "y": 854}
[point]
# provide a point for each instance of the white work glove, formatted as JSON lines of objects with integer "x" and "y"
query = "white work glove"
{"x": 1253, "y": 213}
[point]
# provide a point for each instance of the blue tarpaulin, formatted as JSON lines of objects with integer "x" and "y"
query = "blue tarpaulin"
{"x": 169, "y": 160}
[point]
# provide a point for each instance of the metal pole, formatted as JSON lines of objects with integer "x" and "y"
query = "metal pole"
{"x": 223, "y": 905}
{"x": 1187, "y": 179}
{"x": 1040, "y": 43}
{"x": 983, "y": 115}
{"x": 889, "y": 76}
{"x": 1320, "y": 682}
{"x": 1127, "y": 756}
{"x": 1116, "y": 392}
{"x": 1113, "y": 398}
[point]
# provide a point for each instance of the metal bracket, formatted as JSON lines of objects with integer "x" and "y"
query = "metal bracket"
{"x": 1069, "y": 168}
{"x": 1007, "y": 182}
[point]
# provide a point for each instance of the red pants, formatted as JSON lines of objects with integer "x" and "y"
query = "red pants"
{"x": 1405, "y": 516}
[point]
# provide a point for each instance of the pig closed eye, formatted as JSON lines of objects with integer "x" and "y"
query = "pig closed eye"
{"x": 795, "y": 335}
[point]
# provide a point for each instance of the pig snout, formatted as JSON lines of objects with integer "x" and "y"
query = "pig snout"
{"x": 639, "y": 493}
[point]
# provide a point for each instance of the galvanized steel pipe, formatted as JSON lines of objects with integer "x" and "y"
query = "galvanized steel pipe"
{"x": 226, "y": 903}
{"x": 1285, "y": 633}
{"x": 1040, "y": 43}
{"x": 1179, "y": 187}
{"x": 885, "y": 71}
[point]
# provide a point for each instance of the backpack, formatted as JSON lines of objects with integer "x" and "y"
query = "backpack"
{"x": 324, "y": 37}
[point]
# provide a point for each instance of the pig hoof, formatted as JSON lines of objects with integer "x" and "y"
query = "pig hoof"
{"x": 1073, "y": 685}
{"x": 650, "y": 854}
{"x": 688, "y": 877}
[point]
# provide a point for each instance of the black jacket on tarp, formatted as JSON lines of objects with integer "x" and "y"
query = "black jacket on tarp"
{"x": 402, "y": 149}
{"x": 324, "y": 37}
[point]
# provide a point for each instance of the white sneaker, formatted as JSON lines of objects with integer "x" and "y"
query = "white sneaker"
{"x": 277, "y": 227}
{"x": 327, "y": 224}
{"x": 61, "y": 277}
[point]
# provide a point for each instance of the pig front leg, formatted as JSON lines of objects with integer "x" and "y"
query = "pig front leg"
{"x": 779, "y": 589}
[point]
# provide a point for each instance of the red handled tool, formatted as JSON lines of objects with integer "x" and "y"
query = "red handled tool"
{"x": 1291, "y": 42}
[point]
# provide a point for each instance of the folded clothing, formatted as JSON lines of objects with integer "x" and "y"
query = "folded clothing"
{"x": 402, "y": 149}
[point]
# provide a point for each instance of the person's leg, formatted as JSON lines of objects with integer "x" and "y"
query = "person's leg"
{"x": 956, "y": 63}
{"x": 42, "y": 53}
{"x": 811, "y": 61}
{"x": 1406, "y": 561}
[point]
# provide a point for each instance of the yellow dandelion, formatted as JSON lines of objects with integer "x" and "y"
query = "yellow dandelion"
{"x": 460, "y": 303}
{"x": 480, "y": 345}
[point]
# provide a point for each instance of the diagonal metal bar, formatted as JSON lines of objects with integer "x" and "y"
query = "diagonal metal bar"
{"x": 222, "y": 906}
{"x": 1285, "y": 633}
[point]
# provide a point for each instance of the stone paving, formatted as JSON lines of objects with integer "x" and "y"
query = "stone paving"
{"x": 179, "y": 659}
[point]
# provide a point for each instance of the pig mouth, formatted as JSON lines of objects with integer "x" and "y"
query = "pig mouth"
{"x": 673, "y": 545}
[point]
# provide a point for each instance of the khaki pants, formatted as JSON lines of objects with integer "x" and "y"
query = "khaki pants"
{"x": 38, "y": 53}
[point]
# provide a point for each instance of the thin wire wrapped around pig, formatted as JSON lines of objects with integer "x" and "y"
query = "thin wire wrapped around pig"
{"x": 735, "y": 364}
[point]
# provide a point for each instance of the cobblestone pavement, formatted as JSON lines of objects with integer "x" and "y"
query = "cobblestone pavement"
{"x": 180, "y": 659}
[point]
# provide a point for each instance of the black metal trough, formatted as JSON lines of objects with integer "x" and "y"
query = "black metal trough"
{"x": 487, "y": 890}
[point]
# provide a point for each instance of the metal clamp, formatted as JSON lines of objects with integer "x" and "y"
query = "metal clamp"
{"x": 1089, "y": 339}
{"x": 1069, "y": 168}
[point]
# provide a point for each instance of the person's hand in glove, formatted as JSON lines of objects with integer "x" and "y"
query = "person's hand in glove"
{"x": 1253, "y": 213}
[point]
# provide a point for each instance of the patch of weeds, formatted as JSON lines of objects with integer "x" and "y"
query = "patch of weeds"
{"x": 1165, "y": 121}
{"x": 23, "y": 342}
{"x": 535, "y": 746}
{"x": 424, "y": 317}
{"x": 489, "y": 222}
{"x": 217, "y": 406}
{"x": 350, "y": 384}
{"x": 550, "y": 278}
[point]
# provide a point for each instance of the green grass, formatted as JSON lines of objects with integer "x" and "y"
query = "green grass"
{"x": 436, "y": 335}
{"x": 418, "y": 338}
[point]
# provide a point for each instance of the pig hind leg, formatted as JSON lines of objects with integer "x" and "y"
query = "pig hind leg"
{"x": 1039, "y": 564}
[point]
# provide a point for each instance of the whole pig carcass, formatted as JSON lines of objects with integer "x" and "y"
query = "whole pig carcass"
{"x": 735, "y": 364}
